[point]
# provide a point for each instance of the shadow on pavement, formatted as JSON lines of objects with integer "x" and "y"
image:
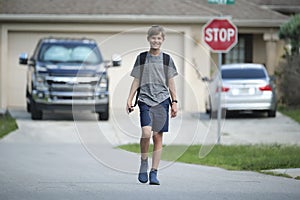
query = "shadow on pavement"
{"x": 55, "y": 116}
{"x": 245, "y": 115}
{"x": 232, "y": 115}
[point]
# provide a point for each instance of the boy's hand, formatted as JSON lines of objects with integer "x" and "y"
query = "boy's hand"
{"x": 173, "y": 110}
{"x": 129, "y": 108}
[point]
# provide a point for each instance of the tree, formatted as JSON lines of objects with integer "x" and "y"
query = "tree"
{"x": 290, "y": 71}
{"x": 291, "y": 31}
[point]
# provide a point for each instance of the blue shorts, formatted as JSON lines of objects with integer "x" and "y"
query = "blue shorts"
{"x": 156, "y": 116}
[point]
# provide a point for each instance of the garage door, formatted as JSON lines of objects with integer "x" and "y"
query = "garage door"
{"x": 127, "y": 44}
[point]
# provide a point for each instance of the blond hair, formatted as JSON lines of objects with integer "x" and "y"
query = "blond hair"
{"x": 155, "y": 30}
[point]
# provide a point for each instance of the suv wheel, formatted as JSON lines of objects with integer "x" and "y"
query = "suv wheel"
{"x": 104, "y": 116}
{"x": 35, "y": 113}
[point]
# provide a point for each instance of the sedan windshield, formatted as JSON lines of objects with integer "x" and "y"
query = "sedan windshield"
{"x": 249, "y": 73}
{"x": 70, "y": 53}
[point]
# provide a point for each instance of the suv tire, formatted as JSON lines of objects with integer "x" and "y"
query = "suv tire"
{"x": 35, "y": 113}
{"x": 104, "y": 116}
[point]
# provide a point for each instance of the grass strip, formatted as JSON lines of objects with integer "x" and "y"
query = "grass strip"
{"x": 292, "y": 112}
{"x": 7, "y": 124}
{"x": 234, "y": 157}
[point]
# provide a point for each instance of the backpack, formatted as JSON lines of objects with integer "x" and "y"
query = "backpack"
{"x": 166, "y": 62}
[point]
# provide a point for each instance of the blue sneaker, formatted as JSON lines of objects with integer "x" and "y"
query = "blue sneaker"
{"x": 143, "y": 176}
{"x": 153, "y": 178}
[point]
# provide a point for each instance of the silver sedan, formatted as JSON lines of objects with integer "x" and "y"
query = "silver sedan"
{"x": 243, "y": 87}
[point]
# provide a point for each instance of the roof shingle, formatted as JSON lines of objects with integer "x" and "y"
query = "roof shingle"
{"x": 241, "y": 10}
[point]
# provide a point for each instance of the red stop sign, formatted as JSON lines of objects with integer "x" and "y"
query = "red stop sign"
{"x": 220, "y": 35}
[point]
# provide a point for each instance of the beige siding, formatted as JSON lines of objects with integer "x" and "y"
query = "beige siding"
{"x": 183, "y": 42}
{"x": 127, "y": 43}
{"x": 259, "y": 49}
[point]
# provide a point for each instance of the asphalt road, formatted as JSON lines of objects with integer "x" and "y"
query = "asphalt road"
{"x": 59, "y": 158}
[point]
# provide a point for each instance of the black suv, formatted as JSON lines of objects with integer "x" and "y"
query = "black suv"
{"x": 67, "y": 74}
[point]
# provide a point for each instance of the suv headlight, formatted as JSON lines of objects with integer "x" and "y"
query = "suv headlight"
{"x": 39, "y": 77}
{"x": 40, "y": 82}
{"x": 102, "y": 85}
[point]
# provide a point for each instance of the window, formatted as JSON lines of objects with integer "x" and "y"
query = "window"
{"x": 250, "y": 73}
{"x": 242, "y": 52}
{"x": 70, "y": 53}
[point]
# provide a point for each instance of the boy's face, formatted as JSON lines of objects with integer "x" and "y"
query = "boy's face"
{"x": 156, "y": 41}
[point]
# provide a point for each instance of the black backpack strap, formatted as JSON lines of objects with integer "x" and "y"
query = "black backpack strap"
{"x": 142, "y": 58}
{"x": 142, "y": 63}
{"x": 166, "y": 62}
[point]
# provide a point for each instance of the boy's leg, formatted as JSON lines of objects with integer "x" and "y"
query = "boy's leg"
{"x": 144, "y": 146}
{"x": 145, "y": 141}
{"x": 157, "y": 149}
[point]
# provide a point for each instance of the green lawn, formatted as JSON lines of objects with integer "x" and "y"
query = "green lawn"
{"x": 292, "y": 112}
{"x": 7, "y": 124}
{"x": 235, "y": 157}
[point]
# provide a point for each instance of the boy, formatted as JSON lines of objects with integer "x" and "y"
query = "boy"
{"x": 153, "y": 73}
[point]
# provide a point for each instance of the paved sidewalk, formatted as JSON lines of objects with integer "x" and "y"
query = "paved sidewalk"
{"x": 293, "y": 173}
{"x": 198, "y": 128}
{"x": 59, "y": 158}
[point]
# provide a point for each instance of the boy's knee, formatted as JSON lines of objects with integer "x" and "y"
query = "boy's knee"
{"x": 157, "y": 136}
{"x": 146, "y": 132}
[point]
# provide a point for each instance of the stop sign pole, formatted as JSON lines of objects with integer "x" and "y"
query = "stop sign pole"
{"x": 220, "y": 35}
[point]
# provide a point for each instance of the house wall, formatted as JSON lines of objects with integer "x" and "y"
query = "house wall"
{"x": 259, "y": 49}
{"x": 182, "y": 42}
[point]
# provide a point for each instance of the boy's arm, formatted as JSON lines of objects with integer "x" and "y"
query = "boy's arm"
{"x": 172, "y": 90}
{"x": 133, "y": 89}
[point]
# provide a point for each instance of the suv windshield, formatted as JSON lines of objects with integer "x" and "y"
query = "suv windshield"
{"x": 249, "y": 73}
{"x": 70, "y": 53}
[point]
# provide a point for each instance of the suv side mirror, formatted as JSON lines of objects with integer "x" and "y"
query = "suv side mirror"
{"x": 116, "y": 60}
{"x": 23, "y": 59}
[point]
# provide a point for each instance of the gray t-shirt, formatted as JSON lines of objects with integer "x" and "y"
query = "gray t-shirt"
{"x": 154, "y": 89}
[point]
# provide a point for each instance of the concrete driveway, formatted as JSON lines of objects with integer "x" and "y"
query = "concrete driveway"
{"x": 198, "y": 128}
{"x": 59, "y": 158}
